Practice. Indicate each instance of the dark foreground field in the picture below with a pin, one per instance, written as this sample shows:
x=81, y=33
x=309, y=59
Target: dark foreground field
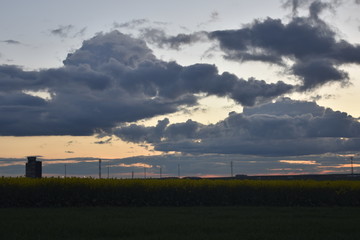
x=180, y=223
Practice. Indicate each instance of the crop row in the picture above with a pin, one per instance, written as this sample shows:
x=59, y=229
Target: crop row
x=56, y=192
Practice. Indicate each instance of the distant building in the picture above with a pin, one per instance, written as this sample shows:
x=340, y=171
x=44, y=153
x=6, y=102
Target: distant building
x=33, y=168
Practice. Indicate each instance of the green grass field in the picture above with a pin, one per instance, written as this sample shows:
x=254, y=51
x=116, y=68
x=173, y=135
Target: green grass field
x=180, y=223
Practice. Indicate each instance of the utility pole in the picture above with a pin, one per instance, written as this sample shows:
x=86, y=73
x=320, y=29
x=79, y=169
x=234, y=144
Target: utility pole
x=65, y=170
x=99, y=168
x=178, y=170
x=108, y=171
x=160, y=172
x=144, y=172
x=132, y=174
x=231, y=167
x=352, y=165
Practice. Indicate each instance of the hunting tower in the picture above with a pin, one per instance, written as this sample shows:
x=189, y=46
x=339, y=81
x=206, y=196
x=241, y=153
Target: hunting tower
x=33, y=168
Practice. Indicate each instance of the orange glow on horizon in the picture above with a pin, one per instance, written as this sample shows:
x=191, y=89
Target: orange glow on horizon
x=346, y=165
x=62, y=147
x=304, y=162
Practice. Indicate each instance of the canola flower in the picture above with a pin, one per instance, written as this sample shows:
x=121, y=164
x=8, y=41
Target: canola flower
x=70, y=192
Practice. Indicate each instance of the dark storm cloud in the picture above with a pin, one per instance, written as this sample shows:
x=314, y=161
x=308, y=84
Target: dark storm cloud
x=13, y=78
x=306, y=47
x=139, y=134
x=317, y=72
x=113, y=79
x=284, y=128
x=309, y=42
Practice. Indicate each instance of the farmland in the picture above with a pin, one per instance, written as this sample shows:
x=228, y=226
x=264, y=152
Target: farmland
x=55, y=208
x=77, y=192
x=174, y=223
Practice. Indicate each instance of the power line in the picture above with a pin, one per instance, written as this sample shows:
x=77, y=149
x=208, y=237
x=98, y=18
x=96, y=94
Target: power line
x=99, y=168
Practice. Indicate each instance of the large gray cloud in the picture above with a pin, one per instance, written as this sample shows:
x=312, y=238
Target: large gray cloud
x=315, y=49
x=284, y=128
x=113, y=78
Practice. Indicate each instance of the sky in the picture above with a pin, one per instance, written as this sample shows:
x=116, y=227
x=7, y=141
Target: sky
x=183, y=87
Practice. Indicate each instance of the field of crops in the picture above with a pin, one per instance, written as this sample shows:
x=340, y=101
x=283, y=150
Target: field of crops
x=179, y=223
x=56, y=192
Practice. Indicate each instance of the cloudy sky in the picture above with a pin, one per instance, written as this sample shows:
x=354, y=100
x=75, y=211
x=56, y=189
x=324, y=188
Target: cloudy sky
x=271, y=86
